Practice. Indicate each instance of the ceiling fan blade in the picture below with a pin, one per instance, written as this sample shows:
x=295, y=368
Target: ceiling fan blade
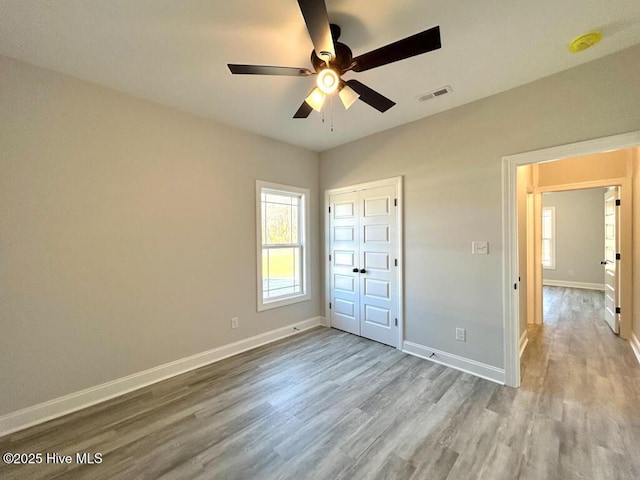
x=304, y=111
x=269, y=70
x=417, y=44
x=371, y=97
x=317, y=20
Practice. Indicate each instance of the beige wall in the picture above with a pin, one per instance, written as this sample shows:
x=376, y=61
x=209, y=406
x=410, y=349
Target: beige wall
x=585, y=168
x=451, y=163
x=579, y=235
x=127, y=234
x=636, y=242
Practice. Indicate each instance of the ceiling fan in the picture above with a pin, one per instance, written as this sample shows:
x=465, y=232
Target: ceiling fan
x=331, y=59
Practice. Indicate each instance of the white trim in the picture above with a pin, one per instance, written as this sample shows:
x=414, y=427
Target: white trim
x=509, y=230
x=524, y=341
x=607, y=182
x=635, y=345
x=366, y=185
x=570, y=284
x=482, y=370
x=58, y=407
x=510, y=300
x=393, y=181
x=531, y=273
x=587, y=147
x=304, y=240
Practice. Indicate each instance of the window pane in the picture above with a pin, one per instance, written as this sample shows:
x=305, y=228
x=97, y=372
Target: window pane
x=278, y=223
x=294, y=225
x=263, y=217
x=280, y=199
x=546, y=224
x=546, y=252
x=281, y=272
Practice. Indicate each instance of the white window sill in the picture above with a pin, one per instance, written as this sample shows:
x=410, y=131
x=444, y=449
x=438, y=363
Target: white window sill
x=277, y=303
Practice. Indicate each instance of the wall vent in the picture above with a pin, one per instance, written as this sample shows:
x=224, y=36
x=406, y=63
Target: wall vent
x=435, y=93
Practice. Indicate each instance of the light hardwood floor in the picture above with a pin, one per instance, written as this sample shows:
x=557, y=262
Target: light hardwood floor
x=329, y=405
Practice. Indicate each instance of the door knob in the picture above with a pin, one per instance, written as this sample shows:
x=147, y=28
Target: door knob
x=604, y=262
x=363, y=271
x=355, y=270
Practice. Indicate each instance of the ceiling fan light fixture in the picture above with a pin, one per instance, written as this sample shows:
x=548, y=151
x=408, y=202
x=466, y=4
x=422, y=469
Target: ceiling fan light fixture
x=328, y=81
x=316, y=99
x=348, y=96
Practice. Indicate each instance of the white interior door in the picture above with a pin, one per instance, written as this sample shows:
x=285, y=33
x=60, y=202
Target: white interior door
x=378, y=297
x=363, y=249
x=345, y=256
x=611, y=274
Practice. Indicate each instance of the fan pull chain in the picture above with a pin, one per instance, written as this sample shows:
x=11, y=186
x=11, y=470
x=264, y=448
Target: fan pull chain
x=322, y=116
x=332, y=113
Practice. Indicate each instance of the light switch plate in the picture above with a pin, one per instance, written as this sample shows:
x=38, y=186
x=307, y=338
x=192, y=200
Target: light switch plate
x=480, y=248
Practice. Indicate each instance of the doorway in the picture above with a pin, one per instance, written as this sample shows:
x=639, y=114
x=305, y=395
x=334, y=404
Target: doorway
x=573, y=240
x=512, y=271
x=364, y=262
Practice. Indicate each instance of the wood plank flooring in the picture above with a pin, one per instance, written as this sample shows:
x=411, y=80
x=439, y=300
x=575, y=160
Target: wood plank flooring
x=329, y=405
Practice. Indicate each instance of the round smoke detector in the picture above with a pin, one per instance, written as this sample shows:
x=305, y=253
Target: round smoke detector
x=585, y=41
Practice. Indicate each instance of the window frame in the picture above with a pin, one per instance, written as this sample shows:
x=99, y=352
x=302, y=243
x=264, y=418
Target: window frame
x=303, y=240
x=552, y=263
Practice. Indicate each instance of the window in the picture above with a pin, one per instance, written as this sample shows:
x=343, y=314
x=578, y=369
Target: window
x=549, y=237
x=282, y=232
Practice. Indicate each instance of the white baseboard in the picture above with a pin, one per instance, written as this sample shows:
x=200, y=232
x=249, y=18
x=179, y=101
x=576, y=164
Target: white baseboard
x=635, y=345
x=524, y=341
x=58, y=407
x=570, y=284
x=482, y=370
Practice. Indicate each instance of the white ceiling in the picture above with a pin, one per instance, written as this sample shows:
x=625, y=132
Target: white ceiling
x=175, y=52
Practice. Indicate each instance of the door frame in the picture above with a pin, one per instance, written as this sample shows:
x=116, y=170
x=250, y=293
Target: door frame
x=531, y=242
x=397, y=182
x=510, y=163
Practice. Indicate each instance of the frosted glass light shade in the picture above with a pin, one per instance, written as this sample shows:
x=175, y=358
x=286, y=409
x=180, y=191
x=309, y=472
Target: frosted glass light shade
x=316, y=99
x=348, y=96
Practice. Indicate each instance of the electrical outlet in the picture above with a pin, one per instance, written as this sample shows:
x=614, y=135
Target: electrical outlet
x=235, y=322
x=461, y=335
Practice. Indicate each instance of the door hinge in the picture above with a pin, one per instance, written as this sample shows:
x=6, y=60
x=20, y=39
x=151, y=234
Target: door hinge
x=617, y=256
x=396, y=322
x=329, y=305
x=617, y=202
x=396, y=262
x=617, y=309
x=395, y=202
x=329, y=257
x=515, y=286
x=329, y=209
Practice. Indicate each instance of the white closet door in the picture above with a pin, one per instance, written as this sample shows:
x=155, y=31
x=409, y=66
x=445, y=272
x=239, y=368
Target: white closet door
x=611, y=274
x=345, y=246
x=363, y=272
x=378, y=289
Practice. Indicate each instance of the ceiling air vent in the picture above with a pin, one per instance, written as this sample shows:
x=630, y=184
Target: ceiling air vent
x=436, y=93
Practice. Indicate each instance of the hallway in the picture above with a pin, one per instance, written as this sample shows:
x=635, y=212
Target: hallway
x=587, y=384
